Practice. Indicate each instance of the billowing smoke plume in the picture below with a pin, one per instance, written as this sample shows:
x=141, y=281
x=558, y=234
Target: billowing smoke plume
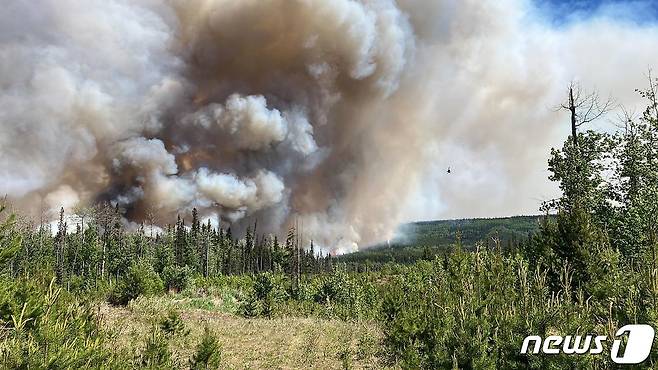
x=336, y=115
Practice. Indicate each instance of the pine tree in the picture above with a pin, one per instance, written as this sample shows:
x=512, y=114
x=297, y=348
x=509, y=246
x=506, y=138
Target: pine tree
x=180, y=242
x=291, y=252
x=10, y=242
x=89, y=253
x=157, y=354
x=207, y=233
x=60, y=245
x=208, y=353
x=195, y=250
x=228, y=246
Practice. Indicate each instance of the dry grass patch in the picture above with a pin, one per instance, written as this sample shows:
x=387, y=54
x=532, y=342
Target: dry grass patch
x=278, y=343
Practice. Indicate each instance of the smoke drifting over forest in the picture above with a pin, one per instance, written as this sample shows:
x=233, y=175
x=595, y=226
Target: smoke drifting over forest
x=339, y=115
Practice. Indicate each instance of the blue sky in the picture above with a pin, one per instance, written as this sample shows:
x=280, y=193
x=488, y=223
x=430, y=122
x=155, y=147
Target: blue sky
x=562, y=12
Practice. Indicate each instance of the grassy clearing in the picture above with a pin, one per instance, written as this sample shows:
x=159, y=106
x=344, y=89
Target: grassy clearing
x=259, y=343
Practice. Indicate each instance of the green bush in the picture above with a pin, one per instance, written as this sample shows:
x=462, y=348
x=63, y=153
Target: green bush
x=347, y=297
x=333, y=288
x=251, y=306
x=208, y=353
x=156, y=354
x=141, y=280
x=263, y=285
x=172, y=324
x=176, y=277
x=270, y=289
x=46, y=328
x=473, y=310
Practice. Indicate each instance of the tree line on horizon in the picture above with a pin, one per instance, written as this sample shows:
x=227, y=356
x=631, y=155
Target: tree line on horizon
x=101, y=248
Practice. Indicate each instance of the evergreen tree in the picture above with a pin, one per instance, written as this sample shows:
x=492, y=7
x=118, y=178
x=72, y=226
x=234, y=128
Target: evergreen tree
x=208, y=353
x=60, y=245
x=10, y=242
x=180, y=242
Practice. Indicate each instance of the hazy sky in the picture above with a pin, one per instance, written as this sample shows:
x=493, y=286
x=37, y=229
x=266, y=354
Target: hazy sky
x=534, y=48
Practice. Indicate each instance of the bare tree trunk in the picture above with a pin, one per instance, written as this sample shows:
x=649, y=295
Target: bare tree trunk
x=654, y=271
x=572, y=109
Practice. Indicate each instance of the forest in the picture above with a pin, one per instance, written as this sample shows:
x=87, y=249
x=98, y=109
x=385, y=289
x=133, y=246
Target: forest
x=427, y=239
x=194, y=296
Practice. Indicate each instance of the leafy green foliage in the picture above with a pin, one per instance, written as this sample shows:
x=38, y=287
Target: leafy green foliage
x=176, y=278
x=251, y=306
x=474, y=309
x=140, y=280
x=10, y=241
x=44, y=327
x=208, y=353
x=173, y=324
x=156, y=354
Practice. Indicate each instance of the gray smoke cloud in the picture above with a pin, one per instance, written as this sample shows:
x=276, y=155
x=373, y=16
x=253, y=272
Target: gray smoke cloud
x=340, y=116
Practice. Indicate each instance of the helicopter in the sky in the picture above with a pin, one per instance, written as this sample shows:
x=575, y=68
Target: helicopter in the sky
x=449, y=169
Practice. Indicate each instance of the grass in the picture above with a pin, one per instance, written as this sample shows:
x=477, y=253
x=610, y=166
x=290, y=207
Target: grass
x=259, y=343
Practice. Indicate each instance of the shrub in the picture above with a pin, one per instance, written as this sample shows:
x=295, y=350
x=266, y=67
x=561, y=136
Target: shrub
x=172, y=324
x=347, y=297
x=141, y=279
x=24, y=300
x=333, y=288
x=263, y=285
x=208, y=353
x=474, y=309
x=176, y=277
x=251, y=306
x=156, y=352
x=270, y=290
x=46, y=328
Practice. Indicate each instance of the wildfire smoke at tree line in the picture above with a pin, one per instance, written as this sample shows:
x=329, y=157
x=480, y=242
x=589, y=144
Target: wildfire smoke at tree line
x=339, y=115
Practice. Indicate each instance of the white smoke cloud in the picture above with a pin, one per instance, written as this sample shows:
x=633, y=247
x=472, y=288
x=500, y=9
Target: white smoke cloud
x=63, y=197
x=149, y=156
x=341, y=115
x=265, y=190
x=245, y=119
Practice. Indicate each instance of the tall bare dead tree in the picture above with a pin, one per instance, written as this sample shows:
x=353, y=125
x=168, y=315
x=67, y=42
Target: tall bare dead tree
x=584, y=108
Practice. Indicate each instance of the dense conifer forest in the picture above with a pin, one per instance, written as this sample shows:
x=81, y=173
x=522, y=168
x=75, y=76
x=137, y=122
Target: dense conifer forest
x=67, y=296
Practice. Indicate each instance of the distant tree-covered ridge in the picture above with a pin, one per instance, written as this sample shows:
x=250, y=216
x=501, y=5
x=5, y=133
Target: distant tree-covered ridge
x=471, y=231
x=425, y=239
